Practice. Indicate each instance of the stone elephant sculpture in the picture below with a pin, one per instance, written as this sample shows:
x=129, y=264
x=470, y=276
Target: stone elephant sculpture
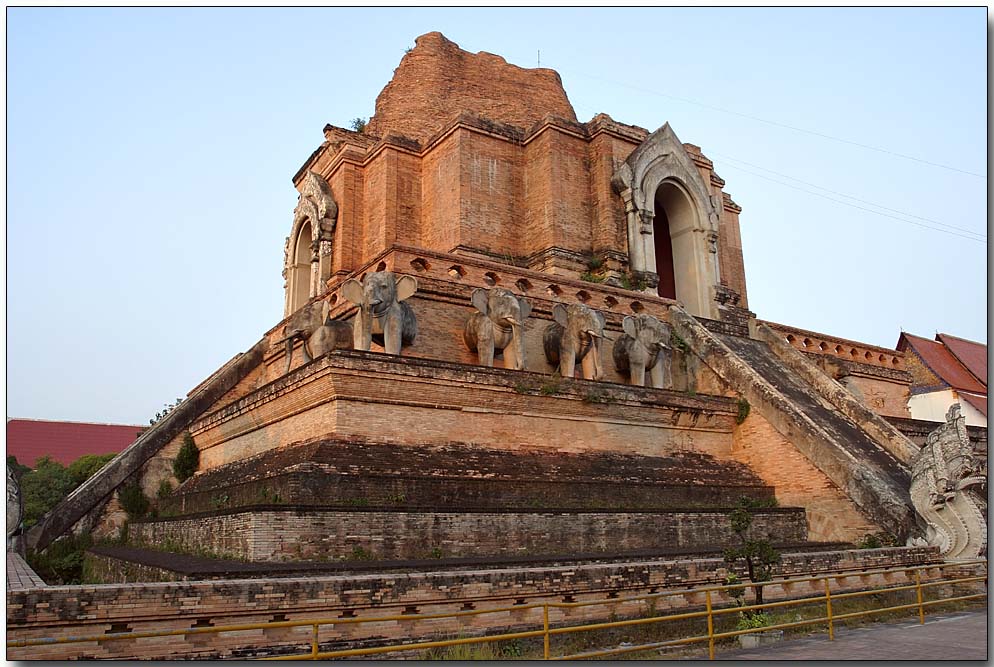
x=645, y=346
x=575, y=335
x=319, y=334
x=499, y=325
x=383, y=316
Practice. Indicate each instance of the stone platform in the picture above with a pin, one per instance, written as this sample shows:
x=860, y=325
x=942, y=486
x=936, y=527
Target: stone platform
x=400, y=400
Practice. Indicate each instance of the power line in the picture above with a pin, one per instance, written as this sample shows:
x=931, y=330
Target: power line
x=982, y=237
x=842, y=194
x=779, y=124
x=862, y=208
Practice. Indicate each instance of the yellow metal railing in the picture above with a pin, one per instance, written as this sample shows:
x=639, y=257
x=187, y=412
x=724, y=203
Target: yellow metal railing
x=710, y=612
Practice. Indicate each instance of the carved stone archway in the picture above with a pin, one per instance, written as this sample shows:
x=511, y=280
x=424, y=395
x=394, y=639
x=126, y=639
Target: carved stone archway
x=661, y=165
x=307, y=254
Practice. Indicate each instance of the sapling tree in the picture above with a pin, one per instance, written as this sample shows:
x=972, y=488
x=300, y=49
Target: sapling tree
x=759, y=555
x=187, y=459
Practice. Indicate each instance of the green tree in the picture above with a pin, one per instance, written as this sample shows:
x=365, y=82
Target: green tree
x=43, y=488
x=759, y=555
x=17, y=468
x=87, y=465
x=187, y=459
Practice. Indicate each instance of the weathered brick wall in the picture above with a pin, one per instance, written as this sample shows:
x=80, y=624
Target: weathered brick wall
x=610, y=227
x=97, y=568
x=884, y=396
x=831, y=514
x=437, y=80
x=490, y=185
x=85, y=610
x=304, y=534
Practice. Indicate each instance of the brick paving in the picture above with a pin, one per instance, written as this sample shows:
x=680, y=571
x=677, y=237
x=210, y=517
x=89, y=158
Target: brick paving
x=20, y=575
x=955, y=636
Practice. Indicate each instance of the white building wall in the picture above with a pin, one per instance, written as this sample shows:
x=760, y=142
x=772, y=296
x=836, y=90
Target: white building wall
x=934, y=405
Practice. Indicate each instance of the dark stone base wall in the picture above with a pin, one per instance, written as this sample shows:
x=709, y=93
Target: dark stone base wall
x=271, y=533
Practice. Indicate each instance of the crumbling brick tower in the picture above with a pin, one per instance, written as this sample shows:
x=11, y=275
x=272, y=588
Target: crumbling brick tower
x=472, y=157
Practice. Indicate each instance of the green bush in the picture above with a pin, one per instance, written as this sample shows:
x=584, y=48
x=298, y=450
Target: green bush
x=87, y=465
x=187, y=459
x=165, y=488
x=134, y=501
x=758, y=620
x=62, y=562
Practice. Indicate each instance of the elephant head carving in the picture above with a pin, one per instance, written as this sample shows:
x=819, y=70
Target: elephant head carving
x=575, y=335
x=319, y=334
x=383, y=314
x=645, y=346
x=499, y=325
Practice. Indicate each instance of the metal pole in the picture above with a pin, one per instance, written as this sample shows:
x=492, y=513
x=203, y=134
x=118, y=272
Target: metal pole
x=828, y=607
x=545, y=627
x=707, y=599
x=314, y=642
x=918, y=590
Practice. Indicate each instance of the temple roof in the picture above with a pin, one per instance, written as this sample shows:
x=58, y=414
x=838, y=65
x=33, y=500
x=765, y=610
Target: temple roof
x=943, y=360
x=29, y=439
x=971, y=354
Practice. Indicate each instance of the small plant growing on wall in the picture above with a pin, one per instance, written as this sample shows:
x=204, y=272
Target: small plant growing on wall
x=134, y=501
x=759, y=555
x=743, y=412
x=187, y=459
x=358, y=124
x=165, y=488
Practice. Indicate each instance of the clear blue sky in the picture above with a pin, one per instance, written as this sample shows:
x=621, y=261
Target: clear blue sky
x=150, y=152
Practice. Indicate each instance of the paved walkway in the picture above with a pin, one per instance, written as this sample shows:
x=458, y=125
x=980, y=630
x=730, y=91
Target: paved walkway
x=20, y=575
x=955, y=636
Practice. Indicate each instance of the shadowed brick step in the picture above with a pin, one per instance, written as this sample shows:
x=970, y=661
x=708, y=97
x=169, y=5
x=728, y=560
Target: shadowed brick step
x=354, y=473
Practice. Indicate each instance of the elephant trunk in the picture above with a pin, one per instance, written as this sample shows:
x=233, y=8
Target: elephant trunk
x=514, y=353
x=288, y=353
x=592, y=360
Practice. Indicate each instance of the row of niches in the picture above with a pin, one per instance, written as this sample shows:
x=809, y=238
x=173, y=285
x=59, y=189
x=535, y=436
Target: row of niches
x=862, y=355
x=526, y=287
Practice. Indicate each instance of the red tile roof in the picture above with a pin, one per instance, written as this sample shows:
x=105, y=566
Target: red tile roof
x=943, y=363
x=979, y=402
x=971, y=354
x=30, y=439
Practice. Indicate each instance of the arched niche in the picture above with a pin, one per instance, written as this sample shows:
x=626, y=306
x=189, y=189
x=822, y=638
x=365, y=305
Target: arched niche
x=299, y=279
x=660, y=180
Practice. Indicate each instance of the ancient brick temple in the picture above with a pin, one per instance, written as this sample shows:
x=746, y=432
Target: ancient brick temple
x=475, y=176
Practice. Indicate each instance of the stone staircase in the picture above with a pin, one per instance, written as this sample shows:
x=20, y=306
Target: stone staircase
x=861, y=453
